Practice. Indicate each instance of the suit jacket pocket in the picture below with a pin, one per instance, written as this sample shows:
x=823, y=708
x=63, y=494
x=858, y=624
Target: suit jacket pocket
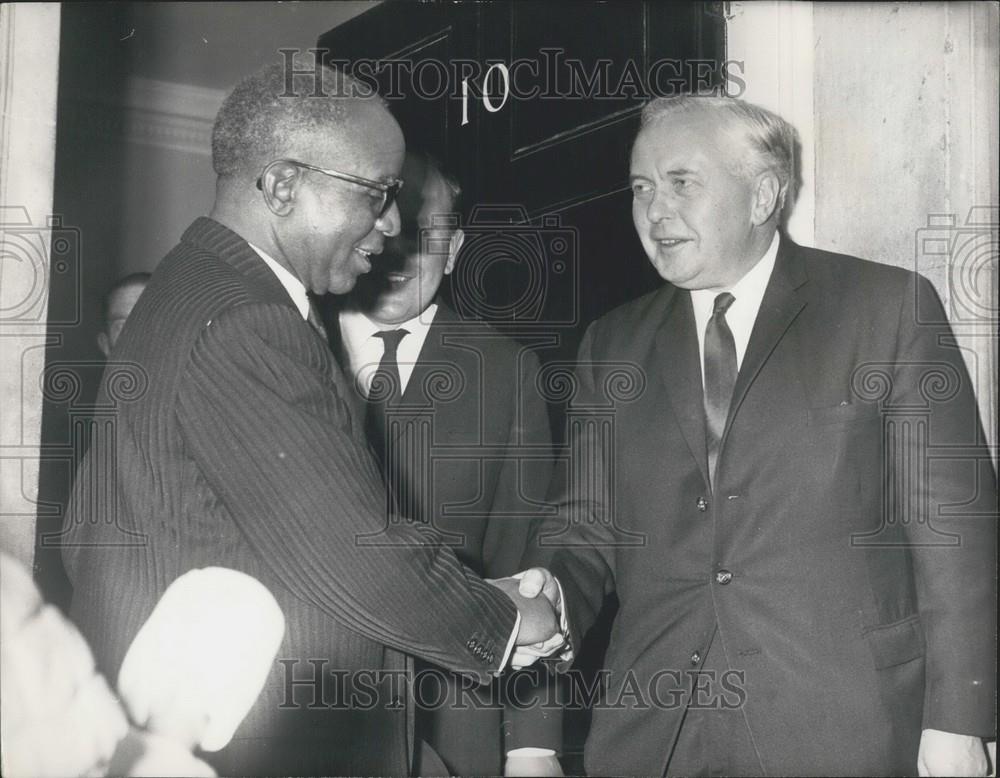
x=896, y=643
x=842, y=414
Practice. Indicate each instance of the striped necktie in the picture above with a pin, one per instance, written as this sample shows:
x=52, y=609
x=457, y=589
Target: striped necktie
x=720, y=377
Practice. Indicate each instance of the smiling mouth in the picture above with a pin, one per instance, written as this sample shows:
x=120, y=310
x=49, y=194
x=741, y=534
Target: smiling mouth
x=669, y=243
x=397, y=278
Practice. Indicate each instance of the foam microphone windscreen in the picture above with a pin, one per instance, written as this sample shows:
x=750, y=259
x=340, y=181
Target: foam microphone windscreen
x=199, y=662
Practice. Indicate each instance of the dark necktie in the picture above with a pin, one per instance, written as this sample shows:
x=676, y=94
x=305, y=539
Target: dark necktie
x=720, y=376
x=315, y=321
x=386, y=388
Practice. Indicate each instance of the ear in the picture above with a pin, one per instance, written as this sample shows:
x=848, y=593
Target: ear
x=279, y=182
x=767, y=198
x=454, y=245
x=104, y=344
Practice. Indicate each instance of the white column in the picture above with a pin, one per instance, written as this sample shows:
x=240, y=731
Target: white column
x=906, y=155
x=774, y=42
x=29, y=61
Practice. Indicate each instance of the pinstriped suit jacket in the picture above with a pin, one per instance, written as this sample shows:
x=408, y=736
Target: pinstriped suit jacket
x=237, y=448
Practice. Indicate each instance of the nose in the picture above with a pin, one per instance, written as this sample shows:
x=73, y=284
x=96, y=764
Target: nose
x=660, y=206
x=389, y=223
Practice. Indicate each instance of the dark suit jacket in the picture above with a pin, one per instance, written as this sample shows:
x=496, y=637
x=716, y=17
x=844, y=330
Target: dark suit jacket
x=848, y=573
x=237, y=447
x=471, y=455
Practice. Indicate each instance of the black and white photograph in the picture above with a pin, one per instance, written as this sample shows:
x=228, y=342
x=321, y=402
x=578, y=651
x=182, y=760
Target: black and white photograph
x=499, y=388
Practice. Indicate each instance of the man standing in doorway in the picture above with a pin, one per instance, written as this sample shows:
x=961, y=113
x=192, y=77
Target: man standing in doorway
x=814, y=590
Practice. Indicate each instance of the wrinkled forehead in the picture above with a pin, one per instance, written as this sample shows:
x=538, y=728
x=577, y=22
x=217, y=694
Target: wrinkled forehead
x=679, y=141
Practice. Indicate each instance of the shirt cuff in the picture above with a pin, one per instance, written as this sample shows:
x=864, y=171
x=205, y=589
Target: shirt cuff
x=531, y=751
x=563, y=619
x=510, y=645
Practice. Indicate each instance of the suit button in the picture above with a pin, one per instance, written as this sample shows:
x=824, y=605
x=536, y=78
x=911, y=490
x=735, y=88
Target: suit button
x=702, y=504
x=723, y=577
x=472, y=644
x=491, y=658
x=695, y=657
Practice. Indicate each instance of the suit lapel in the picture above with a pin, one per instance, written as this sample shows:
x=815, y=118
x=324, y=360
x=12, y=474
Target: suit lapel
x=680, y=368
x=431, y=352
x=236, y=252
x=430, y=358
x=782, y=303
x=335, y=340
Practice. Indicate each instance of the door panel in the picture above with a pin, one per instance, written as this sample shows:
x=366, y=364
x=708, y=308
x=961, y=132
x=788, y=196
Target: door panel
x=560, y=153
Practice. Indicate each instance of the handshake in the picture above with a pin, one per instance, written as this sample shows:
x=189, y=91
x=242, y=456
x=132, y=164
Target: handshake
x=542, y=629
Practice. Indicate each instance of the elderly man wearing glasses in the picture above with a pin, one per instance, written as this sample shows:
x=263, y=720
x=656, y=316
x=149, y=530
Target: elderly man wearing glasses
x=240, y=448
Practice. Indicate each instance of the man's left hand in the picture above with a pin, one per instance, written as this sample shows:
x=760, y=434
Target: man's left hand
x=945, y=753
x=532, y=762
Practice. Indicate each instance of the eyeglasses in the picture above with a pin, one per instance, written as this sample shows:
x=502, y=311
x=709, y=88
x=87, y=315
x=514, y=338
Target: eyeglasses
x=387, y=189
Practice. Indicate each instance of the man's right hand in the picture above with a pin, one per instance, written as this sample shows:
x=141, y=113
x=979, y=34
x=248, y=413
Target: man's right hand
x=539, y=621
x=538, y=580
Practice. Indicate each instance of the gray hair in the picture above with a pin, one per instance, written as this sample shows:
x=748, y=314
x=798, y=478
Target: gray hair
x=271, y=108
x=772, y=142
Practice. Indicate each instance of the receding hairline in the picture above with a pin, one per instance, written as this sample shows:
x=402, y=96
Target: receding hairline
x=770, y=141
x=720, y=116
x=718, y=132
x=351, y=134
x=270, y=114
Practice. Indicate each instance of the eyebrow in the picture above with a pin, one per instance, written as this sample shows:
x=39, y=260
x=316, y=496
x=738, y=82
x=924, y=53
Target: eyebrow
x=683, y=171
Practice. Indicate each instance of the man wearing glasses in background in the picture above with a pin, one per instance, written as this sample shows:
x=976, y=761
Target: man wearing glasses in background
x=401, y=341
x=243, y=452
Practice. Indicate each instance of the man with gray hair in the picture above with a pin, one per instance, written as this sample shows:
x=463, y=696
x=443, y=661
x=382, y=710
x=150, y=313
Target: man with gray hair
x=241, y=450
x=806, y=586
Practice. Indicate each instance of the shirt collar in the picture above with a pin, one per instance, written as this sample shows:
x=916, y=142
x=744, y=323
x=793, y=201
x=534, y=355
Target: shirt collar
x=295, y=288
x=749, y=289
x=754, y=283
x=356, y=327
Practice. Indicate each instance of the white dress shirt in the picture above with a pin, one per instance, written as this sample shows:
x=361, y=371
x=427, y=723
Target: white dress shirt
x=748, y=293
x=295, y=288
x=364, y=351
